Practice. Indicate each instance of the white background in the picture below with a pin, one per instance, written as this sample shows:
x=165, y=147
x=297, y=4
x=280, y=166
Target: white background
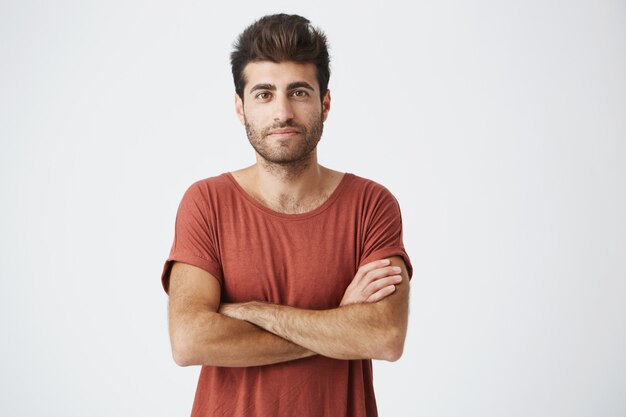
x=499, y=126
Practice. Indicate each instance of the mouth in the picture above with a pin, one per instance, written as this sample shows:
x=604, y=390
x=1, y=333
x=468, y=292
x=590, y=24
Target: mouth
x=284, y=132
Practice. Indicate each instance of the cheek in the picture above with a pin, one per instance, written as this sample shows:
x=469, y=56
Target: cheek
x=314, y=116
x=256, y=115
x=308, y=113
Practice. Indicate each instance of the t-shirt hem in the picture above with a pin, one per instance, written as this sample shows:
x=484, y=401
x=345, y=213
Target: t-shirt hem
x=388, y=252
x=197, y=261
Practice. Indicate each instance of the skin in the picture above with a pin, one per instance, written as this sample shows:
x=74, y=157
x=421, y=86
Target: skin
x=283, y=116
x=201, y=335
x=357, y=331
x=288, y=178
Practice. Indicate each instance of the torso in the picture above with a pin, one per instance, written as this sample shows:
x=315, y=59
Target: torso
x=299, y=260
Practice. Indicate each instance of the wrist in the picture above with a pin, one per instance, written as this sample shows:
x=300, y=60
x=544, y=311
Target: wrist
x=233, y=310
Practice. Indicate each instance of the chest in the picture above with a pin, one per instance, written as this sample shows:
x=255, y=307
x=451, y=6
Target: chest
x=306, y=264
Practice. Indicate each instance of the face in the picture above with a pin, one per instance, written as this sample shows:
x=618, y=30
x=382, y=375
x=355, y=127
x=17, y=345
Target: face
x=282, y=111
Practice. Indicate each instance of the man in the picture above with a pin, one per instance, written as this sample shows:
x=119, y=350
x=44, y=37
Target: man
x=286, y=278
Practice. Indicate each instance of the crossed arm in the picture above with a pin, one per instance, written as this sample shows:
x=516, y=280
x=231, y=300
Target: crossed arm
x=370, y=322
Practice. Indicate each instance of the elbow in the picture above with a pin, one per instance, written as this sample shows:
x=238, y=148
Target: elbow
x=182, y=353
x=191, y=346
x=188, y=350
x=182, y=360
x=392, y=347
x=184, y=345
x=393, y=353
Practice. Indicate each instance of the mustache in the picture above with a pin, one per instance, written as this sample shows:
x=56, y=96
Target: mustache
x=288, y=123
x=282, y=125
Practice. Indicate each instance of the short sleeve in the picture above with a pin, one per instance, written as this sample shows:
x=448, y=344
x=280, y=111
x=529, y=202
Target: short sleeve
x=195, y=240
x=383, y=229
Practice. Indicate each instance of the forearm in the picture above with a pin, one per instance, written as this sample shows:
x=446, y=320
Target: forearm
x=209, y=338
x=357, y=331
x=202, y=335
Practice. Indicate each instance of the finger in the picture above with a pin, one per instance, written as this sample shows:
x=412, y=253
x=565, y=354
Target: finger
x=380, y=273
x=381, y=283
x=379, y=295
x=366, y=292
x=365, y=269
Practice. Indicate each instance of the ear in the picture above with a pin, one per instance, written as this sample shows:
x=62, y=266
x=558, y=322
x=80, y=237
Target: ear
x=239, y=109
x=326, y=105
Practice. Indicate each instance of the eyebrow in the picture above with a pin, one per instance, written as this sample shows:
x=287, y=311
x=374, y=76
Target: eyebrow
x=270, y=87
x=300, y=84
x=291, y=86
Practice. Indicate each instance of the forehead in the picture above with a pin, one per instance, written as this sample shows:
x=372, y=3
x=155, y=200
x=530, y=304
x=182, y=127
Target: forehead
x=279, y=74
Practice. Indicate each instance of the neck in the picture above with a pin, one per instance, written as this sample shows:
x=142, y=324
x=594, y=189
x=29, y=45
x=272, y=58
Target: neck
x=290, y=182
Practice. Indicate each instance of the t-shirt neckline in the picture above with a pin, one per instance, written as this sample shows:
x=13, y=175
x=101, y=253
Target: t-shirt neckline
x=291, y=216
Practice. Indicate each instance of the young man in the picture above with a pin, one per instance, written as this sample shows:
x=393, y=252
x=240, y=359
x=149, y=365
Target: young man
x=286, y=278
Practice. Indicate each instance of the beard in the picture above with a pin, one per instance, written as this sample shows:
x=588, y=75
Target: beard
x=287, y=153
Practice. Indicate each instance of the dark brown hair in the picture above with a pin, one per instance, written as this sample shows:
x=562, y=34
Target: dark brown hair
x=279, y=38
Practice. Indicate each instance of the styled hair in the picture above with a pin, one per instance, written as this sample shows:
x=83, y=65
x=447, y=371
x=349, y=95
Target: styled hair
x=279, y=38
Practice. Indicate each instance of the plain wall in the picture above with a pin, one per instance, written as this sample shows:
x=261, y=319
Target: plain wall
x=499, y=126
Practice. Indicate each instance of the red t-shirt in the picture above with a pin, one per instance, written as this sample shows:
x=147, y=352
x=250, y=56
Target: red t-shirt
x=301, y=260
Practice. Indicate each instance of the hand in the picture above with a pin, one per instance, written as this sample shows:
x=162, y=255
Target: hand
x=372, y=282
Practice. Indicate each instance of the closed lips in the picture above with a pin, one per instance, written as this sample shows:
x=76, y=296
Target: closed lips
x=283, y=131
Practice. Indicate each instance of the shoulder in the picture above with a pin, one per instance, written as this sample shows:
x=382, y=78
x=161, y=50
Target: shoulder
x=368, y=189
x=211, y=184
x=204, y=195
x=205, y=188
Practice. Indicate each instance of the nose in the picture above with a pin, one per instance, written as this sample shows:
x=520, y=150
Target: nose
x=283, y=109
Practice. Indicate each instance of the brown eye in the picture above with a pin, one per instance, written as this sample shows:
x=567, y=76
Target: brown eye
x=300, y=93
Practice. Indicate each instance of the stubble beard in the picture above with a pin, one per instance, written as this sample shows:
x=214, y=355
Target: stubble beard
x=286, y=160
